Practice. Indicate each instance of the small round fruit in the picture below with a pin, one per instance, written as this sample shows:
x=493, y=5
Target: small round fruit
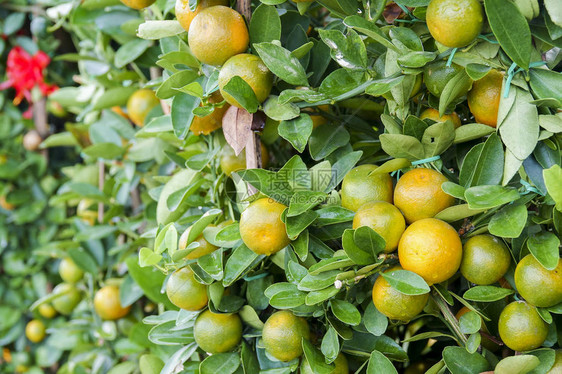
x=31, y=140
x=107, y=303
x=418, y=194
x=340, y=362
x=230, y=162
x=138, y=4
x=185, y=15
x=437, y=74
x=69, y=297
x=140, y=104
x=432, y=249
x=538, y=286
x=217, y=333
x=433, y=114
x=5, y=204
x=185, y=292
x=69, y=271
x=485, y=259
x=209, y=123
x=521, y=328
x=282, y=335
x=216, y=34
x=360, y=185
x=557, y=366
x=484, y=98
x=47, y=311
x=394, y=304
x=385, y=219
x=454, y=23
x=35, y=331
x=204, y=246
x=252, y=70
x=261, y=227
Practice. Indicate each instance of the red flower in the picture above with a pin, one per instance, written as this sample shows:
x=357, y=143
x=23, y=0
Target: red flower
x=25, y=72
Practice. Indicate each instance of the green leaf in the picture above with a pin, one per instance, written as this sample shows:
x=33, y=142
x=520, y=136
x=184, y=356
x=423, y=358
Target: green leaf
x=226, y=363
x=241, y=261
x=182, y=113
x=511, y=30
x=281, y=63
x=553, y=181
x=315, y=359
x=280, y=112
x=297, y=224
x=402, y=146
x=457, y=86
x=354, y=252
x=130, y=51
x=348, y=51
x=509, y=222
x=265, y=25
x=457, y=212
x=406, y=282
x=330, y=346
x=296, y=131
x=316, y=297
x=486, y=197
x=369, y=240
x=170, y=86
x=150, y=364
x=362, y=25
x=459, y=361
x=375, y=322
x=483, y=164
x=325, y=140
x=340, y=82
x=150, y=280
x=472, y=131
x=470, y=323
x=382, y=86
x=453, y=189
x=486, y=294
x=148, y=258
x=437, y=138
x=379, y=363
x=477, y=71
x=416, y=59
x=302, y=201
x=106, y=151
x=545, y=84
x=346, y=312
x=519, y=129
x=521, y=364
x=544, y=247
x=116, y=96
x=287, y=299
x=153, y=30
x=242, y=93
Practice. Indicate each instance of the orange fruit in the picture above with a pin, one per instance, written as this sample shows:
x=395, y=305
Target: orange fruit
x=216, y=34
x=69, y=297
x=252, y=70
x=432, y=249
x=107, y=303
x=209, y=123
x=120, y=111
x=230, y=162
x=261, y=227
x=454, y=23
x=484, y=98
x=69, y=271
x=521, y=328
x=35, y=331
x=361, y=186
x=185, y=15
x=394, y=304
x=433, y=114
x=5, y=204
x=185, y=292
x=385, y=219
x=340, y=362
x=31, y=140
x=537, y=285
x=140, y=104
x=217, y=333
x=485, y=259
x=317, y=118
x=437, y=74
x=282, y=335
x=138, y=4
x=204, y=246
x=418, y=194
x=47, y=311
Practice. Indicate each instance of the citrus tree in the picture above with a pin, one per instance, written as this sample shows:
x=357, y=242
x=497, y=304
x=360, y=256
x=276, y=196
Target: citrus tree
x=315, y=187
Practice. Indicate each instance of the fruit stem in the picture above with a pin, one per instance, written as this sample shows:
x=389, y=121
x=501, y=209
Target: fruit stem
x=449, y=316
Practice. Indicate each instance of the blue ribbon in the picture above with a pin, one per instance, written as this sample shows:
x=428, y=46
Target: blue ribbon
x=451, y=56
x=511, y=72
x=418, y=162
x=258, y=276
x=528, y=188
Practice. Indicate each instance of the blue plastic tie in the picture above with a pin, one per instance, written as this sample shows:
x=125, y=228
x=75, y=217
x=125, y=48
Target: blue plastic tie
x=485, y=37
x=254, y=277
x=451, y=56
x=511, y=72
x=426, y=160
x=529, y=188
